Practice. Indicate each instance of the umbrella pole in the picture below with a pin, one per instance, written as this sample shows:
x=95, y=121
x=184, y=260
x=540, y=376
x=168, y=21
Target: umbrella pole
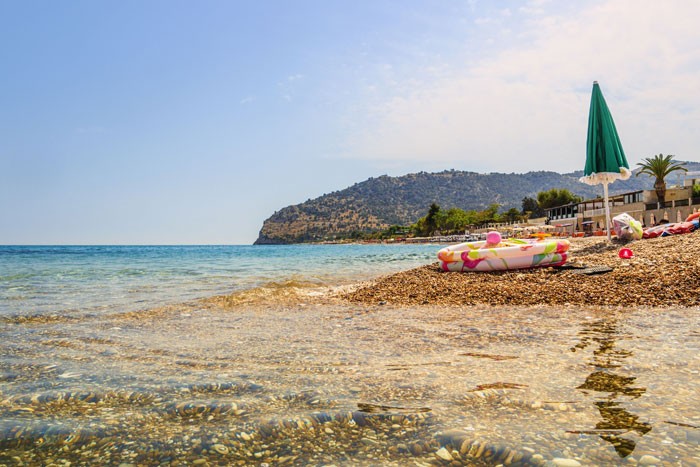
x=607, y=211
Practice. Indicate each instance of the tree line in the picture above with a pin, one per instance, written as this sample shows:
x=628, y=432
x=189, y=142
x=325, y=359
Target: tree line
x=455, y=220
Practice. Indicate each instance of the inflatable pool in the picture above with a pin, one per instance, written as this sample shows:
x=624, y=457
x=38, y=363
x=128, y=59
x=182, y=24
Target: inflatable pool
x=504, y=255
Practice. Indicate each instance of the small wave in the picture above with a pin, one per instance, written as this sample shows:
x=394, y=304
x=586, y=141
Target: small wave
x=18, y=298
x=285, y=291
x=35, y=318
x=18, y=277
x=293, y=283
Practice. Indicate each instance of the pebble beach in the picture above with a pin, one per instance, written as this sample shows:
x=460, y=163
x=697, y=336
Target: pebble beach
x=663, y=271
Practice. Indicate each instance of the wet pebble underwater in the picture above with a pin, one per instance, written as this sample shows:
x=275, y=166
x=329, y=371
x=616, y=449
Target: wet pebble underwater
x=315, y=382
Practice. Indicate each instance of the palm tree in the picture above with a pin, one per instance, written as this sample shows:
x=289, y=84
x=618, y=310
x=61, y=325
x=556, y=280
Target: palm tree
x=660, y=166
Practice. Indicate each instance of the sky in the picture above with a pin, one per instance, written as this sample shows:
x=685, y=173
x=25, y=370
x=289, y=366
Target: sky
x=180, y=122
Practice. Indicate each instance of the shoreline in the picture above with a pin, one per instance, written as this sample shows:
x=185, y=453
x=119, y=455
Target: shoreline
x=664, y=272
x=289, y=375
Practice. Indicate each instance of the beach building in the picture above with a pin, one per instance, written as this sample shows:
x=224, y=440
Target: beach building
x=588, y=216
x=564, y=218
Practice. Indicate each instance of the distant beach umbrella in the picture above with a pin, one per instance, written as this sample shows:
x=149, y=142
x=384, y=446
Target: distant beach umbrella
x=605, y=158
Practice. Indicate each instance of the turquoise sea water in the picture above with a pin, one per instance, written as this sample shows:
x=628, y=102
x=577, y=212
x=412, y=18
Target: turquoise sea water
x=62, y=279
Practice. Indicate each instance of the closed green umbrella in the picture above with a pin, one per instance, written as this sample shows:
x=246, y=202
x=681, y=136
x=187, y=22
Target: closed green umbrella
x=605, y=158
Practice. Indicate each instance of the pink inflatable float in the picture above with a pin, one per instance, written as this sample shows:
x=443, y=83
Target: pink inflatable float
x=503, y=255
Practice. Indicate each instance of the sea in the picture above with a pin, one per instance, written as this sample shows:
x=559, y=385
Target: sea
x=40, y=280
x=247, y=355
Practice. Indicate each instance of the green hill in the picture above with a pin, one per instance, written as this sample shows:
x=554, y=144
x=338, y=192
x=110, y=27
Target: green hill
x=378, y=203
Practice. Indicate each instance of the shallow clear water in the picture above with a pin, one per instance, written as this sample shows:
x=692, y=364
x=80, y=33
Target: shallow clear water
x=291, y=376
x=59, y=279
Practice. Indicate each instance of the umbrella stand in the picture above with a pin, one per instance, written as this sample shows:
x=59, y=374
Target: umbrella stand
x=607, y=211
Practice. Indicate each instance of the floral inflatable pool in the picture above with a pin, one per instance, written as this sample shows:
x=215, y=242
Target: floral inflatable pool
x=504, y=255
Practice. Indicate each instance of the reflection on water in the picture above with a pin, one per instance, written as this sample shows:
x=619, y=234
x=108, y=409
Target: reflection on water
x=608, y=357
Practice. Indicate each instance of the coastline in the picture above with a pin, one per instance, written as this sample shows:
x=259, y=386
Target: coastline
x=664, y=272
x=296, y=374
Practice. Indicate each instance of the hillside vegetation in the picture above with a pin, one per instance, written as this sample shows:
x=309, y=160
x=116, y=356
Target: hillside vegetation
x=381, y=202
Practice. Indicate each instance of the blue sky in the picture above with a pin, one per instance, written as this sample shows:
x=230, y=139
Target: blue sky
x=178, y=122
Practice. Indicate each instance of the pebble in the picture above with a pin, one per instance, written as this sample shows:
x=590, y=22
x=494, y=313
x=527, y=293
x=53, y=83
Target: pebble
x=562, y=462
x=415, y=449
x=444, y=454
x=648, y=460
x=220, y=448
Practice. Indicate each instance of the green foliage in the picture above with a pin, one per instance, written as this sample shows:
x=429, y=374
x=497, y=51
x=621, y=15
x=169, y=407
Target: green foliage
x=531, y=208
x=511, y=215
x=696, y=191
x=556, y=197
x=432, y=219
x=456, y=220
x=660, y=166
x=490, y=214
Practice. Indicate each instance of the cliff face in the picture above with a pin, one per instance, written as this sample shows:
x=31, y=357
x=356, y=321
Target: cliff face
x=318, y=219
x=379, y=203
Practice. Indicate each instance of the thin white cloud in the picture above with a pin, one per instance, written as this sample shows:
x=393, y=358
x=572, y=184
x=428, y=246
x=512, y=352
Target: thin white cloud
x=526, y=108
x=247, y=100
x=289, y=85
